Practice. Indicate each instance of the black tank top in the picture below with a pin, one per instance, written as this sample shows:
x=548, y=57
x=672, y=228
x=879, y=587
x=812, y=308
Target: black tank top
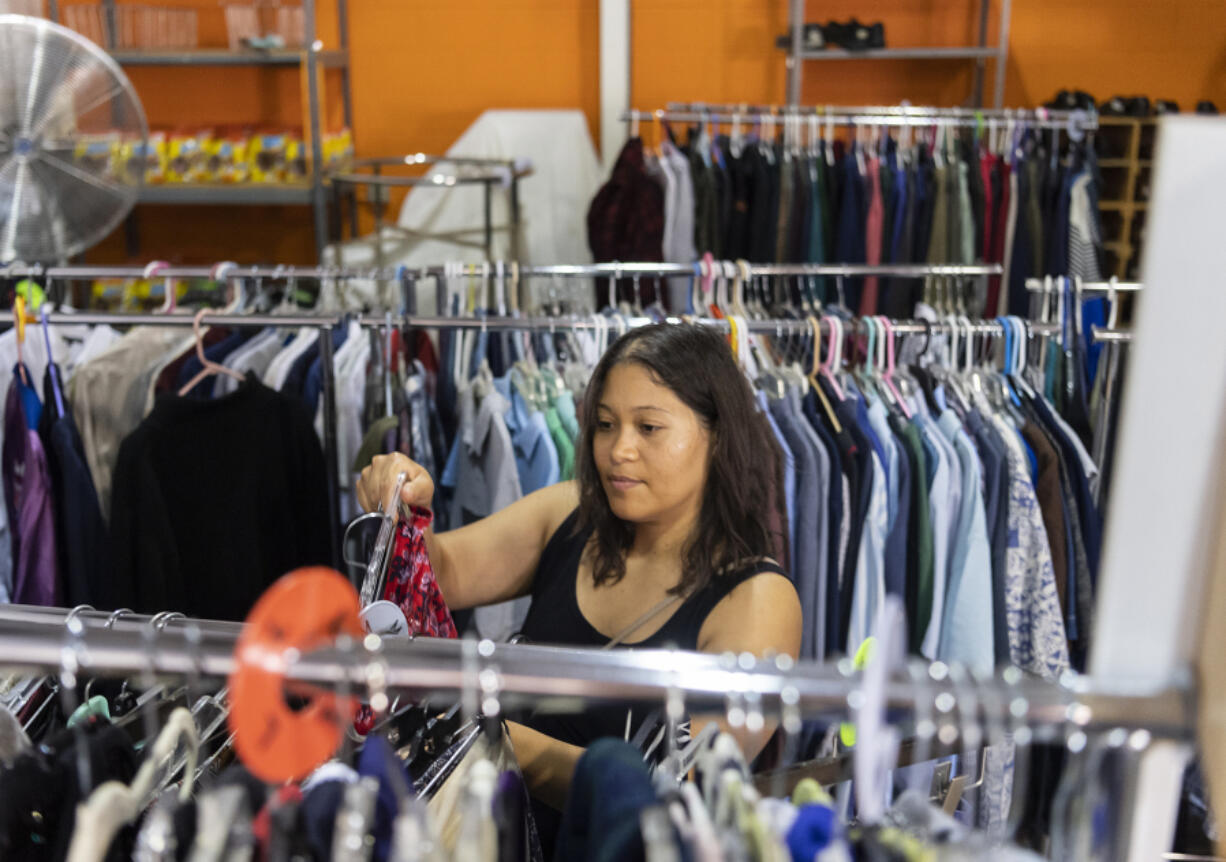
x=555, y=618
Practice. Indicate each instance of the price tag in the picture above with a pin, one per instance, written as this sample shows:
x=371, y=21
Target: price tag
x=278, y=735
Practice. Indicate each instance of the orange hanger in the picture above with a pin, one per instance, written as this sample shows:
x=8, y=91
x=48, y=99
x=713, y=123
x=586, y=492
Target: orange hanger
x=19, y=320
x=813, y=372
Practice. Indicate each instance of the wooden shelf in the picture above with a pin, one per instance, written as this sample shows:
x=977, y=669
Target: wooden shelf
x=1123, y=163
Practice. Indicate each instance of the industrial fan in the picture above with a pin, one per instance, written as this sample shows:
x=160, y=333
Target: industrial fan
x=73, y=142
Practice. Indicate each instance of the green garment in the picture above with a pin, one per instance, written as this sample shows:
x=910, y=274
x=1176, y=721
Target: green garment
x=938, y=242
x=920, y=535
x=565, y=405
x=562, y=442
x=95, y=706
x=372, y=443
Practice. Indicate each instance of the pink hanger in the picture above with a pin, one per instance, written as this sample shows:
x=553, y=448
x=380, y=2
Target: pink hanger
x=210, y=367
x=708, y=276
x=835, y=343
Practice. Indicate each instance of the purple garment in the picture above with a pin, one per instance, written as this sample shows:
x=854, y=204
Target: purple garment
x=27, y=495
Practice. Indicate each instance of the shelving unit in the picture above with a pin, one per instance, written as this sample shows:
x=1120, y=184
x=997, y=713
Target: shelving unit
x=980, y=53
x=1127, y=147
x=310, y=60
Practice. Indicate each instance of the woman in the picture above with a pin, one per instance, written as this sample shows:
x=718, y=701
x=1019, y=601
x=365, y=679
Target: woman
x=665, y=537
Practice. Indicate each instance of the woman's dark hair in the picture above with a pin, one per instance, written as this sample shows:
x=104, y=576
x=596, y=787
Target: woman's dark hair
x=744, y=478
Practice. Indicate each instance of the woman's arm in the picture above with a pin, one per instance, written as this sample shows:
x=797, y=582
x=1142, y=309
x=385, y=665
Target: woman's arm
x=548, y=764
x=761, y=616
x=485, y=562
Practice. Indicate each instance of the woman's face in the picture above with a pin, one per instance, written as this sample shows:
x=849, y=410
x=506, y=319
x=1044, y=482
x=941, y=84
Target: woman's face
x=650, y=448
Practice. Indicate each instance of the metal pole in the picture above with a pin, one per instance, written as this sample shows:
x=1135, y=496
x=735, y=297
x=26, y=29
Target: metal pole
x=489, y=220
x=330, y=456
x=795, y=61
x=319, y=204
x=981, y=63
x=1002, y=54
x=112, y=26
x=514, y=215
x=342, y=25
x=30, y=638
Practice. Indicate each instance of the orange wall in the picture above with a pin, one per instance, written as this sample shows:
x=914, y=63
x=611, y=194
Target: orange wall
x=422, y=70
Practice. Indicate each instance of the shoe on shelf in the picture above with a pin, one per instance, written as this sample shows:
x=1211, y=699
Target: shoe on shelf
x=1204, y=106
x=1072, y=100
x=1166, y=106
x=854, y=36
x=811, y=38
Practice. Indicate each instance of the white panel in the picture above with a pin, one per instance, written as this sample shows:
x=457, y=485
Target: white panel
x=1164, y=499
x=1164, y=507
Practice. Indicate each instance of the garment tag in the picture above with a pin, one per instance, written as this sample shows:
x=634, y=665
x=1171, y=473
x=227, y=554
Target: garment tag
x=304, y=610
x=385, y=619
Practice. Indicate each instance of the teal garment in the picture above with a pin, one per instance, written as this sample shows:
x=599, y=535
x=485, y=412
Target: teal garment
x=562, y=442
x=95, y=706
x=565, y=405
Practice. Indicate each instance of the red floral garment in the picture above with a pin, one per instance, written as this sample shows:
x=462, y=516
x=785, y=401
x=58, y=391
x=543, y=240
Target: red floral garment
x=410, y=580
x=412, y=587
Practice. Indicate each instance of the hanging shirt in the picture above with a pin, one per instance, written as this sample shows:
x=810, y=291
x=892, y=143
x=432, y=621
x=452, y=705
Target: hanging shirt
x=873, y=226
x=943, y=514
x=562, y=443
x=27, y=497
x=869, y=590
x=804, y=539
x=483, y=477
x=110, y=394
x=679, y=244
x=820, y=525
x=255, y=356
x=214, y=500
x=536, y=456
x=789, y=477
x=966, y=629
x=82, y=542
x=1037, y=640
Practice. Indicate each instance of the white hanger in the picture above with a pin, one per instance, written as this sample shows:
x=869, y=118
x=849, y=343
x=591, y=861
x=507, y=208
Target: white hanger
x=114, y=804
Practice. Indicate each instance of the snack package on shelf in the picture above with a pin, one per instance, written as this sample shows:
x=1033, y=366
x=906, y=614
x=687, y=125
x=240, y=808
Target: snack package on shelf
x=100, y=155
x=297, y=160
x=187, y=158
x=338, y=150
x=268, y=158
x=228, y=159
x=147, y=159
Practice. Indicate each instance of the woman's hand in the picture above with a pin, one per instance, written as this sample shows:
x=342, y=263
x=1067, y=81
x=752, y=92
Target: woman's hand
x=378, y=481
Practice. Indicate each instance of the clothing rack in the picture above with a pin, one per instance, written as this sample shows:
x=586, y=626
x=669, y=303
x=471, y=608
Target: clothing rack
x=1093, y=289
x=498, y=270
x=1086, y=288
x=1071, y=121
x=325, y=323
x=489, y=270
x=1031, y=115
x=123, y=643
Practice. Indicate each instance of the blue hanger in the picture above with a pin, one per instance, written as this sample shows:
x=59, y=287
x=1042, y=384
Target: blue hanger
x=55, y=377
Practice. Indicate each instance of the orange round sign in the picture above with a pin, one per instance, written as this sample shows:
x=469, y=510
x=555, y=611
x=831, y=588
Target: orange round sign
x=304, y=610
